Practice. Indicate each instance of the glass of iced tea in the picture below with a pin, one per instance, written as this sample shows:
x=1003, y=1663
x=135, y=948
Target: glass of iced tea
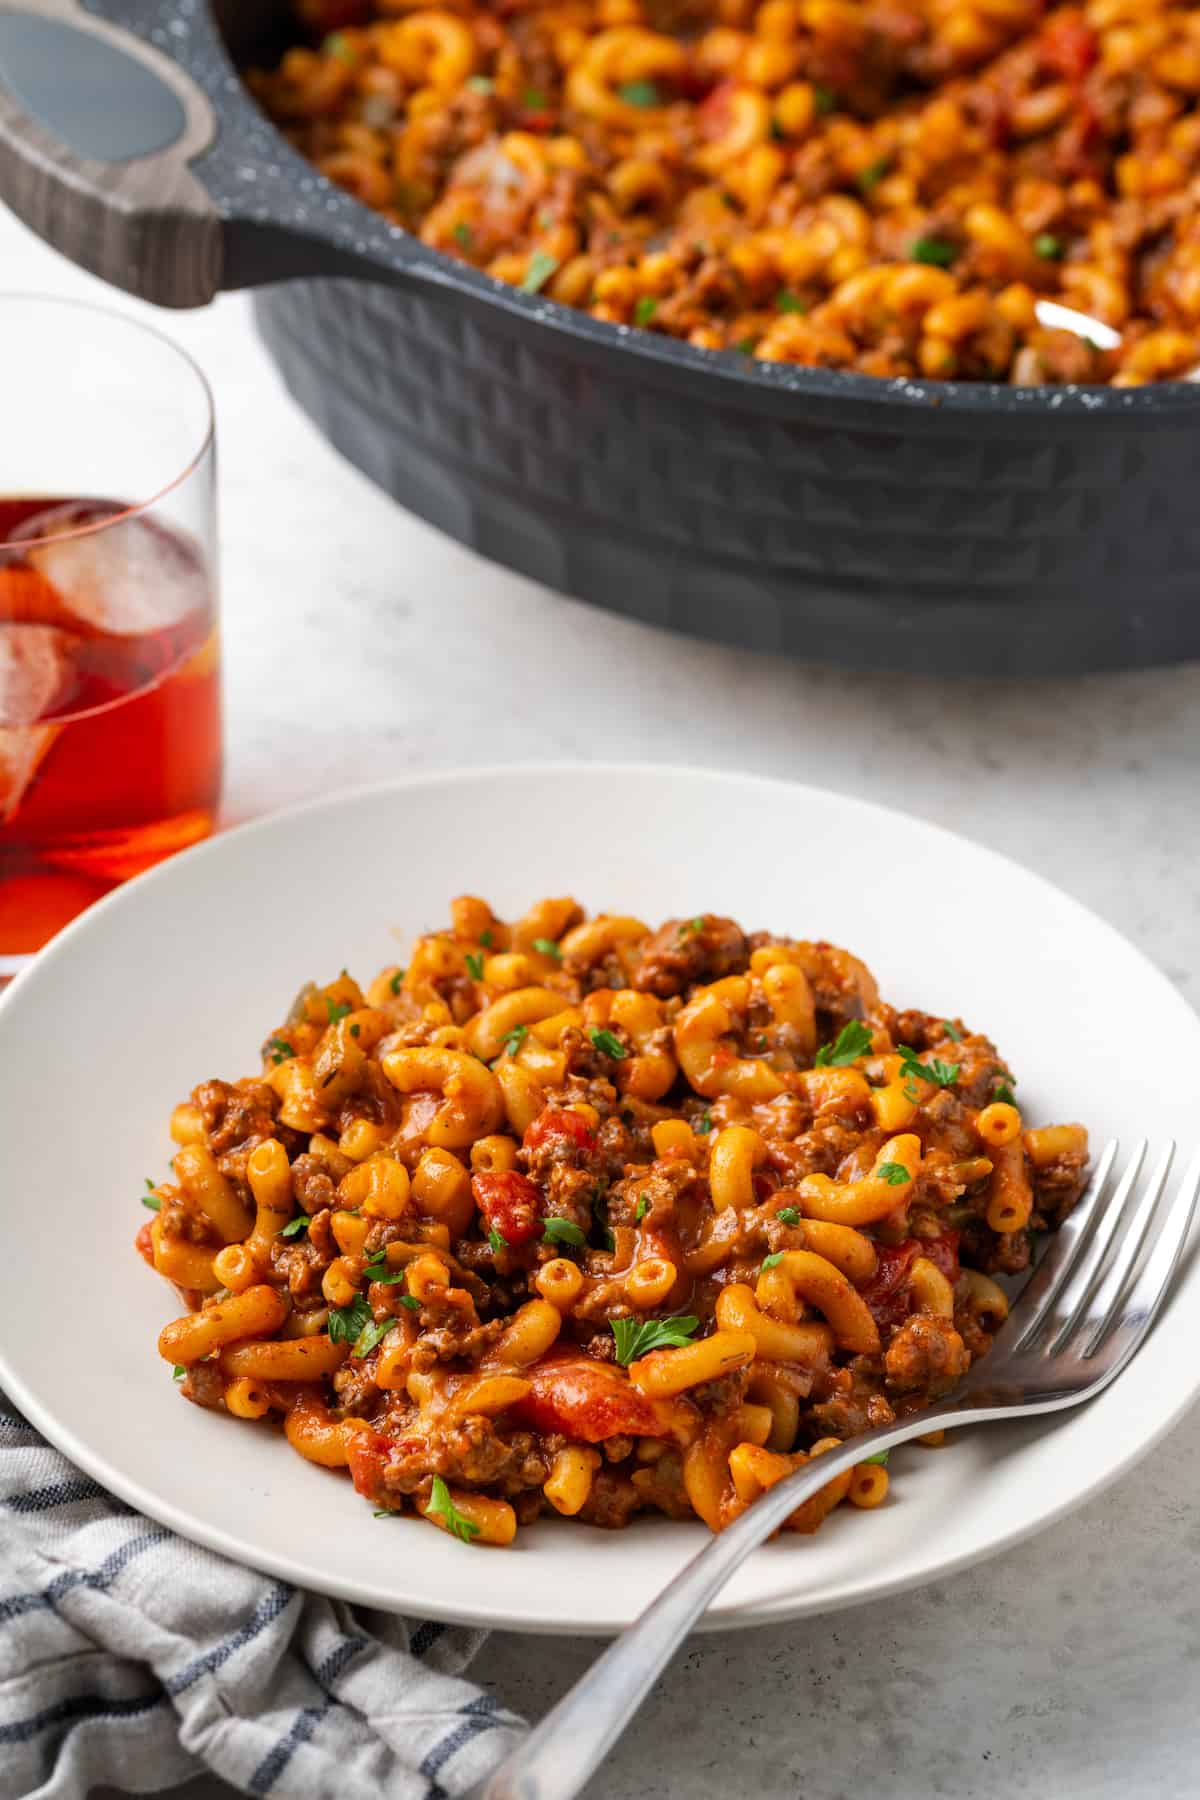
x=110, y=711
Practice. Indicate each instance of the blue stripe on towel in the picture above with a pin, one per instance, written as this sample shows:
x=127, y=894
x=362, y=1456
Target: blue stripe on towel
x=74, y=1711
x=276, y=1761
x=476, y=1716
x=264, y=1614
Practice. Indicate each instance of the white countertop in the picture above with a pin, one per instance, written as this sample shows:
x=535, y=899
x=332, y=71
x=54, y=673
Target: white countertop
x=359, y=642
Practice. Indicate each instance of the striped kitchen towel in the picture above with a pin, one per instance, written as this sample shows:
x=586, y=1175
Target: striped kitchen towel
x=130, y=1657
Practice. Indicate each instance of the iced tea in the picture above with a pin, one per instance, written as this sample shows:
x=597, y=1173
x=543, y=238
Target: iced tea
x=110, y=729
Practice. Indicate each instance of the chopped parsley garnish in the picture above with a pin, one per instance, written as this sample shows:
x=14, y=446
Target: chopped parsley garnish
x=354, y=1030
x=824, y=99
x=378, y=1270
x=637, y=1337
x=150, y=1199
x=541, y=268
x=645, y=309
x=533, y=100
x=397, y=981
x=952, y=1031
x=474, y=965
x=341, y=47
x=464, y=234
x=485, y=938
x=1003, y=1092
x=787, y=302
x=178, y=1372
x=337, y=1009
x=745, y=346
x=773, y=1261
x=941, y=1074
x=295, y=1226
x=563, y=1231
x=705, y=1125
x=443, y=1507
x=512, y=1040
x=880, y=1457
x=411, y=1301
x=547, y=947
x=939, y=252
x=607, y=1240
x=346, y=1322
x=481, y=84
x=696, y=924
x=280, y=1050
x=642, y=1208
x=788, y=1215
x=1047, y=246
x=371, y=1335
x=497, y=1241
x=639, y=93
x=852, y=1041
x=895, y=1174
x=387, y=1512
x=870, y=177
x=608, y=1044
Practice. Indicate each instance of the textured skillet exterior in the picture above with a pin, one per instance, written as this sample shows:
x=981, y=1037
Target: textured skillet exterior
x=949, y=529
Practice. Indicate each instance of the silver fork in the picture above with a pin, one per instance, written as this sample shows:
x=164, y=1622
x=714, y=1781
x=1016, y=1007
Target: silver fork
x=1081, y=1317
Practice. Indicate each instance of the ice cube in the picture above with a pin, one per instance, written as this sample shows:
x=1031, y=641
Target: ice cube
x=21, y=750
x=129, y=578
x=37, y=671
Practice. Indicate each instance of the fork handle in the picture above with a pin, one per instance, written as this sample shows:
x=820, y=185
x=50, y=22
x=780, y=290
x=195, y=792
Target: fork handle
x=559, y=1755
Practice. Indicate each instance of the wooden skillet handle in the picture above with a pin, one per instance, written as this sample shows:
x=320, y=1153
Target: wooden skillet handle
x=97, y=131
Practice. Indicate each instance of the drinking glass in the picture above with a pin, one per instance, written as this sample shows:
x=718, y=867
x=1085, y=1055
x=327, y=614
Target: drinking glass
x=110, y=708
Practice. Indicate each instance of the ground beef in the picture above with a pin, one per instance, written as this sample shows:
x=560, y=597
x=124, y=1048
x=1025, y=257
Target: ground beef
x=311, y=1185
x=685, y=952
x=205, y=1386
x=853, y=1405
x=456, y=1338
x=660, y=1483
x=235, y=1112
x=722, y=1395
x=612, y=1502
x=994, y=1252
x=473, y=1452
x=303, y=1260
x=354, y=1384
x=1057, y=1187
x=926, y=1353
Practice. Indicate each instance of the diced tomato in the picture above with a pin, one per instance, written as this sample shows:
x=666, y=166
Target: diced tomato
x=511, y=1204
x=995, y=108
x=559, y=1123
x=943, y=1253
x=714, y=116
x=586, y=1400
x=886, y=1293
x=1068, y=46
x=368, y=1455
x=144, y=1243
x=323, y=16
x=539, y=119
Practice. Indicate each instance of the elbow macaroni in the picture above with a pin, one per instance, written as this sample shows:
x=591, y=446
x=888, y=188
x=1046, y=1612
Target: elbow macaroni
x=573, y=1214
x=890, y=192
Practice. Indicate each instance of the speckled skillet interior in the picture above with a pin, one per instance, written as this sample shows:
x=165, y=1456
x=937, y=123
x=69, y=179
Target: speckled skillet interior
x=945, y=528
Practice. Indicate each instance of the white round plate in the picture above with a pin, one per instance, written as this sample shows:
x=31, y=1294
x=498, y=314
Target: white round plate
x=178, y=977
